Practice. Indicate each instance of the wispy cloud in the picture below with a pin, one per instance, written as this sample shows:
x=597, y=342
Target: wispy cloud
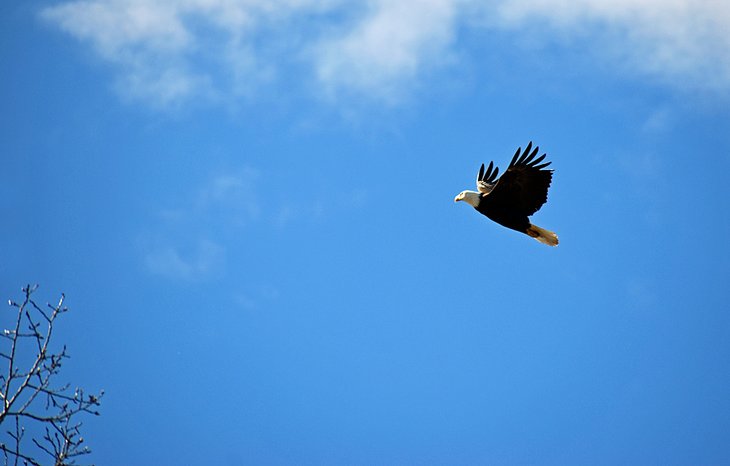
x=188, y=241
x=229, y=198
x=194, y=239
x=256, y=297
x=174, y=50
x=171, y=261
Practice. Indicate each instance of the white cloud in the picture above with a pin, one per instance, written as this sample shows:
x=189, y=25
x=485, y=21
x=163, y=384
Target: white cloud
x=391, y=44
x=171, y=50
x=117, y=27
x=168, y=51
x=147, y=41
x=684, y=42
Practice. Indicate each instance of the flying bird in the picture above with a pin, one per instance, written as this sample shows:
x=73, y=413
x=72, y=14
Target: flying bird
x=517, y=194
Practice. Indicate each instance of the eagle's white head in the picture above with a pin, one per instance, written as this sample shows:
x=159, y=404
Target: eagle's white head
x=470, y=197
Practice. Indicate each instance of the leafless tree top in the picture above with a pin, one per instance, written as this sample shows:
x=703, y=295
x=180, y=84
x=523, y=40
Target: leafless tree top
x=33, y=404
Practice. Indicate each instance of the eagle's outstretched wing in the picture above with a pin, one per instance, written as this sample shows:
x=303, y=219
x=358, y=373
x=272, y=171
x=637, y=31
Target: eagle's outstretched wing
x=524, y=186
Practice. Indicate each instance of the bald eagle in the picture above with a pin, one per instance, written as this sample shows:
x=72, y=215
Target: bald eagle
x=517, y=194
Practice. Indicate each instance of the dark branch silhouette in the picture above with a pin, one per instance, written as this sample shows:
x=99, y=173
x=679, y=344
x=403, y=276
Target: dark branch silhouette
x=30, y=398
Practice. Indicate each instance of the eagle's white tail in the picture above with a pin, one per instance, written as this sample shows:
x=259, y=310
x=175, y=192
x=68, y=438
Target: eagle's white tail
x=542, y=235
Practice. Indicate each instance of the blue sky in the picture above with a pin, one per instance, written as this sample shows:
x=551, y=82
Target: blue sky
x=250, y=209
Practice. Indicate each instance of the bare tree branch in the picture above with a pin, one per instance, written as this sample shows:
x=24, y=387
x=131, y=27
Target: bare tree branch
x=26, y=383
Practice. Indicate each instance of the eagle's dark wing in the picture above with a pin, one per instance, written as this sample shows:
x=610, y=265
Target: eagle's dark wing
x=523, y=188
x=487, y=180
